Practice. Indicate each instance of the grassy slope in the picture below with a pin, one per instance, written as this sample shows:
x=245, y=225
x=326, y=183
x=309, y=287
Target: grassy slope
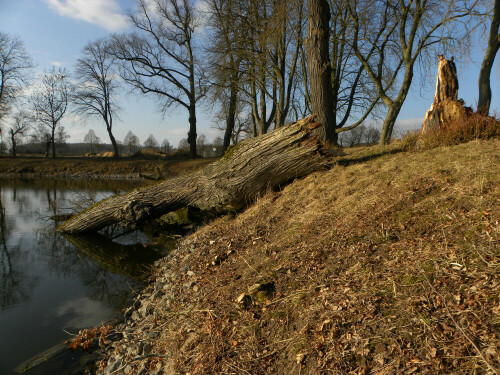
x=387, y=263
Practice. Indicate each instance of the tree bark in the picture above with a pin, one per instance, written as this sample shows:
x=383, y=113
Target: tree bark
x=389, y=122
x=53, y=140
x=116, y=153
x=320, y=69
x=245, y=172
x=192, y=130
x=445, y=107
x=231, y=116
x=483, y=105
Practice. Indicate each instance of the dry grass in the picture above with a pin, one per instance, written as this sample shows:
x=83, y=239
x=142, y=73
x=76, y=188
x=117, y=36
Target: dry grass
x=388, y=263
x=474, y=126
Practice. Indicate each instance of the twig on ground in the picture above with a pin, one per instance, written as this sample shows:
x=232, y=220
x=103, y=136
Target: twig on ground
x=149, y=356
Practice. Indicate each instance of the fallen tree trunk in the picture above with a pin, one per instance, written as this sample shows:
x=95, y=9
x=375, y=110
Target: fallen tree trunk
x=230, y=183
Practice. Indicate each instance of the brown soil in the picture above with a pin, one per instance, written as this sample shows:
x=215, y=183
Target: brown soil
x=388, y=263
x=84, y=167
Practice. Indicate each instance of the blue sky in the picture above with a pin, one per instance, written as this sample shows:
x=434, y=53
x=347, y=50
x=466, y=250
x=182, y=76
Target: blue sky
x=55, y=31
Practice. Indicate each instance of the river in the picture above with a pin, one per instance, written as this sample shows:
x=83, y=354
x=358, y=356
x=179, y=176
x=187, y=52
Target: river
x=53, y=284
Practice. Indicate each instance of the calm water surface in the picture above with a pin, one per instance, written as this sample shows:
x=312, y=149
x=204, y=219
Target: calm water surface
x=51, y=283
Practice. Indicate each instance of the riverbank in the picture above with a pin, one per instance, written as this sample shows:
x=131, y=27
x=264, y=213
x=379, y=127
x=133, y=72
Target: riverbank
x=386, y=263
x=99, y=168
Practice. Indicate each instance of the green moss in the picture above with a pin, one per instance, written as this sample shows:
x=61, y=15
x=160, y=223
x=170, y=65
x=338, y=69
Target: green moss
x=179, y=217
x=231, y=150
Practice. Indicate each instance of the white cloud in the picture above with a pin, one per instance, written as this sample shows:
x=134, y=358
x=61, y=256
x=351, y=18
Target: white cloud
x=57, y=63
x=105, y=13
x=83, y=312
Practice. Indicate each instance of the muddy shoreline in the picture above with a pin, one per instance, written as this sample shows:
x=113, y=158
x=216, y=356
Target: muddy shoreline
x=127, y=168
x=74, y=176
x=137, y=352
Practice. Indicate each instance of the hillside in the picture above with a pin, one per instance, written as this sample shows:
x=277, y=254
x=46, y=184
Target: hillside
x=387, y=263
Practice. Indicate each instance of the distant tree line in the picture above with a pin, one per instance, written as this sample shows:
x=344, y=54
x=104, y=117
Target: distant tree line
x=35, y=143
x=259, y=63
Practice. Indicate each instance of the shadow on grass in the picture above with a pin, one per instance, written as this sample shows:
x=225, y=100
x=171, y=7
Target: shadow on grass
x=377, y=152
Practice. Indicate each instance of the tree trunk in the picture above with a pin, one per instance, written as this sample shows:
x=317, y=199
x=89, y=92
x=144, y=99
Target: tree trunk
x=447, y=81
x=483, y=105
x=231, y=116
x=13, y=140
x=320, y=69
x=445, y=107
x=230, y=183
x=192, y=130
x=394, y=106
x=389, y=122
x=53, y=140
x=113, y=142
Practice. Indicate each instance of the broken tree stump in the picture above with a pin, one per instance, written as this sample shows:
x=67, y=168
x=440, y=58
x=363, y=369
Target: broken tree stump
x=445, y=106
x=242, y=174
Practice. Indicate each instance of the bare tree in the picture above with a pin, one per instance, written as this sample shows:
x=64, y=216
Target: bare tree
x=271, y=51
x=484, y=101
x=224, y=55
x=242, y=126
x=97, y=86
x=258, y=86
x=15, y=68
x=132, y=142
x=353, y=96
x=166, y=147
x=161, y=58
x=319, y=66
x=183, y=145
x=49, y=100
x=92, y=139
x=151, y=142
x=372, y=135
x=61, y=139
x=21, y=124
x=403, y=31
x=42, y=135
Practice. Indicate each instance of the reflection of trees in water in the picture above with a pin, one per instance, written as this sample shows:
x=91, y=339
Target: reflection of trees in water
x=97, y=263
x=64, y=259
x=102, y=265
x=16, y=286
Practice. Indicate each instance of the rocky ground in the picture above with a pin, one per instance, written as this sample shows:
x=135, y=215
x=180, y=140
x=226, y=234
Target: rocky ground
x=388, y=263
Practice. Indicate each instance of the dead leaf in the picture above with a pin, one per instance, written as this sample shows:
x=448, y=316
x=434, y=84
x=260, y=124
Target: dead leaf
x=300, y=358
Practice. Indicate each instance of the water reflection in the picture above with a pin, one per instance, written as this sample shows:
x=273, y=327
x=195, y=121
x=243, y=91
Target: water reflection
x=51, y=282
x=16, y=286
x=128, y=260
